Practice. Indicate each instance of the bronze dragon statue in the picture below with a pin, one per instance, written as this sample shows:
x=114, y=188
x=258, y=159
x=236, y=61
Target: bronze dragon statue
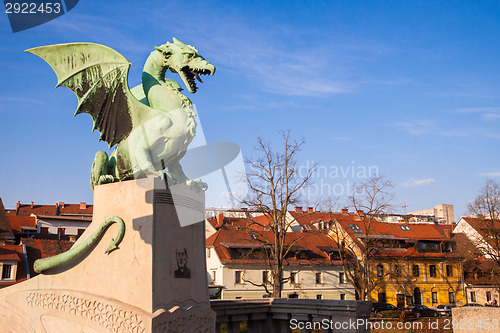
x=152, y=124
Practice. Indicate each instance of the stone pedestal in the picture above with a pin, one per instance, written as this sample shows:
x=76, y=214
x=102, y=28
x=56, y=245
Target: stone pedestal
x=156, y=280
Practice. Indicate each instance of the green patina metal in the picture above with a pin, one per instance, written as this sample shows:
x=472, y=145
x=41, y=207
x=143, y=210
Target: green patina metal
x=152, y=124
x=44, y=264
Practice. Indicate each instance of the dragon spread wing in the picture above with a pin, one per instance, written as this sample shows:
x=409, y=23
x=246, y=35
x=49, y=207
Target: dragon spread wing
x=98, y=75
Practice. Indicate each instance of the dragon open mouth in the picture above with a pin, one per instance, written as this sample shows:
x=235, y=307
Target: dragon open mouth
x=190, y=74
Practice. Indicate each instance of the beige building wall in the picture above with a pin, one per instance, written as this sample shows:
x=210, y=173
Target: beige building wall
x=305, y=286
x=443, y=212
x=478, y=294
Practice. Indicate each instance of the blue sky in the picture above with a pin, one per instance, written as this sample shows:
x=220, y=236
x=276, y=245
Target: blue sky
x=412, y=89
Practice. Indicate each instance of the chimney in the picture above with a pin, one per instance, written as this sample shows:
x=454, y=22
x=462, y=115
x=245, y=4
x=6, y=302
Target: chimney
x=220, y=219
x=298, y=209
x=18, y=204
x=447, y=233
x=32, y=204
x=344, y=211
x=83, y=205
x=360, y=212
x=310, y=209
x=61, y=204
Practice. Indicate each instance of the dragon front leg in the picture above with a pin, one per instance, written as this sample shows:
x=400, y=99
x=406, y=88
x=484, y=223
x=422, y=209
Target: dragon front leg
x=176, y=169
x=99, y=173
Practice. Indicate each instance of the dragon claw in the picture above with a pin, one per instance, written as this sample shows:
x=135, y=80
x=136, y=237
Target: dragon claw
x=197, y=184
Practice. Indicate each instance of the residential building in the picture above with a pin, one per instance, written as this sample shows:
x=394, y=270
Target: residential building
x=442, y=213
x=484, y=234
x=482, y=267
x=13, y=265
x=60, y=219
x=237, y=261
x=410, y=263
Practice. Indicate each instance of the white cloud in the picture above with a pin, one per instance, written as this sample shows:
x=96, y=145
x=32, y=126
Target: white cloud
x=478, y=110
x=413, y=182
x=416, y=127
x=490, y=174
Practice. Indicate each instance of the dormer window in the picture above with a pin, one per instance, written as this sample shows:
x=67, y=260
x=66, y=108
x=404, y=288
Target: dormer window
x=7, y=270
x=355, y=227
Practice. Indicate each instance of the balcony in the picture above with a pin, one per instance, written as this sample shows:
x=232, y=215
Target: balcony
x=280, y=315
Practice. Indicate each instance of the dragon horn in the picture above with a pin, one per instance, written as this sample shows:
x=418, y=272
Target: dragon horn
x=176, y=41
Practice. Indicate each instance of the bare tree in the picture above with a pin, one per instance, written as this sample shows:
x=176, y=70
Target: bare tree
x=370, y=200
x=486, y=208
x=274, y=185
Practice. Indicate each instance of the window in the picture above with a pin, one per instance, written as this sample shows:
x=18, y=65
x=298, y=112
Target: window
x=6, y=271
x=319, y=296
x=208, y=252
x=449, y=270
x=61, y=231
x=265, y=277
x=432, y=270
x=473, y=297
x=44, y=230
x=397, y=271
x=319, y=277
x=405, y=227
x=415, y=270
x=293, y=277
x=214, y=275
x=488, y=296
x=422, y=246
x=354, y=227
x=80, y=232
x=238, y=277
x=342, y=297
x=380, y=270
x=434, y=297
x=341, y=277
x=451, y=297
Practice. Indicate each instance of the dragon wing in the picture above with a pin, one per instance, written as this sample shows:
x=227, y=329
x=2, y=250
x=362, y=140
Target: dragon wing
x=98, y=75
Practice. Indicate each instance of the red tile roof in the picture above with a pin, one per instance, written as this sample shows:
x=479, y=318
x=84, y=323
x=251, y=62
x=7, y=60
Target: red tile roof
x=484, y=226
x=316, y=245
x=8, y=252
x=43, y=248
x=76, y=209
x=481, y=272
x=16, y=222
x=28, y=209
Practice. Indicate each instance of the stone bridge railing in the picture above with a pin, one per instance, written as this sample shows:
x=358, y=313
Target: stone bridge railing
x=280, y=315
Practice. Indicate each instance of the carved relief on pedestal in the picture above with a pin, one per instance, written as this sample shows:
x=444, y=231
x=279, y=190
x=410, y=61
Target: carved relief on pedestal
x=112, y=317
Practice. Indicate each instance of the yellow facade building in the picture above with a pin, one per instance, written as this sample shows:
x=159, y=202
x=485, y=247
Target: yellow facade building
x=410, y=263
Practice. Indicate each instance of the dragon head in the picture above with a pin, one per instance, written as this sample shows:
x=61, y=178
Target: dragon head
x=186, y=61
